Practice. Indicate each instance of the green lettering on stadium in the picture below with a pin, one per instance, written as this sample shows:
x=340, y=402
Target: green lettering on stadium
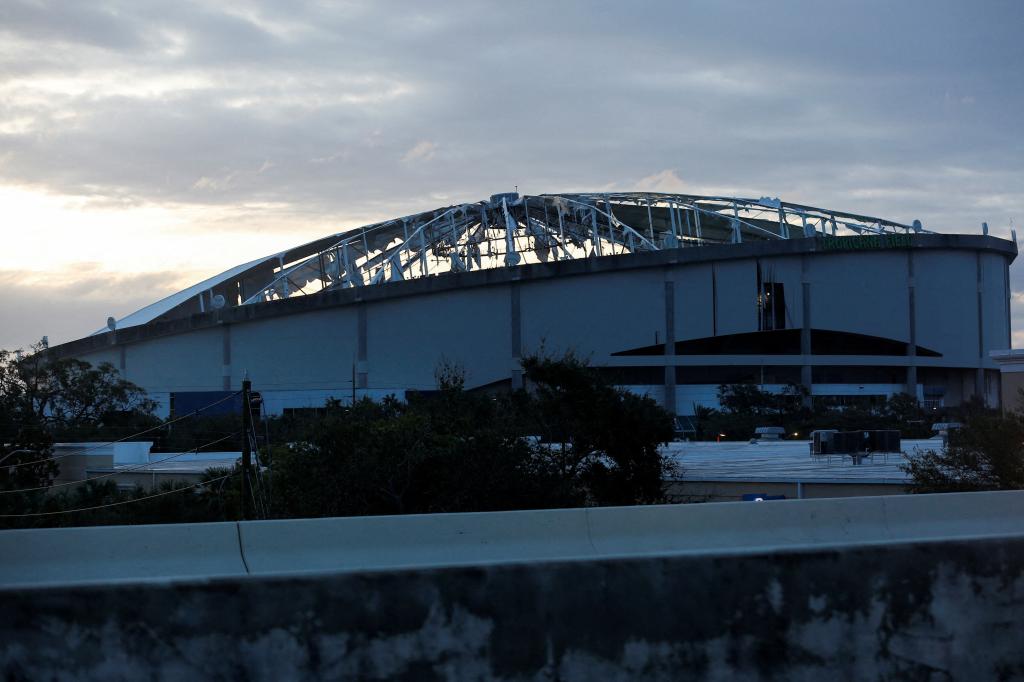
x=861, y=242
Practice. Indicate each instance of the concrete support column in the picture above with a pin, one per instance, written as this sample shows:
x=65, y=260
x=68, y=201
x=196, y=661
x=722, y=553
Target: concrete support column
x=979, y=377
x=912, y=327
x=516, y=338
x=912, y=380
x=225, y=357
x=670, y=345
x=1008, y=342
x=806, y=377
x=362, y=368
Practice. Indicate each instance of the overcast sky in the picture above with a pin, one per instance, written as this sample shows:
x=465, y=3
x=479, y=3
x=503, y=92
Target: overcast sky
x=147, y=145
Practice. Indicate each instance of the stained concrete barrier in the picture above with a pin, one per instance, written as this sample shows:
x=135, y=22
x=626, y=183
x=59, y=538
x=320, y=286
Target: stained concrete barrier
x=119, y=553
x=422, y=540
x=63, y=556
x=434, y=540
x=923, y=587
x=934, y=610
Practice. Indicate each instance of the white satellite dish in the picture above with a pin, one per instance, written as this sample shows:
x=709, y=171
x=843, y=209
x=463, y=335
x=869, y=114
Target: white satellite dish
x=217, y=302
x=111, y=324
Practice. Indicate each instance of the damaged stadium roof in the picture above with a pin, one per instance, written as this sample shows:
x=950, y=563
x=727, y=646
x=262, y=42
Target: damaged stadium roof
x=505, y=231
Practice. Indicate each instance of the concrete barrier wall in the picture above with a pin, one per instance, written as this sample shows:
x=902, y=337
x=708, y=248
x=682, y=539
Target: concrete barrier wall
x=915, y=587
x=62, y=556
x=454, y=539
x=33, y=557
x=944, y=609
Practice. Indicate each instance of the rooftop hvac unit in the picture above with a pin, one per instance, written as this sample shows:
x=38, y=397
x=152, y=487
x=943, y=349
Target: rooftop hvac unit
x=821, y=441
x=856, y=442
x=887, y=440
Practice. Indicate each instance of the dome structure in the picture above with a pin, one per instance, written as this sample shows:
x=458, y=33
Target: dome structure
x=505, y=231
x=669, y=295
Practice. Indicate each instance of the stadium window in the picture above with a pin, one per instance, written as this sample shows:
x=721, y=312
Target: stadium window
x=780, y=374
x=633, y=376
x=771, y=301
x=725, y=374
x=772, y=305
x=738, y=374
x=863, y=402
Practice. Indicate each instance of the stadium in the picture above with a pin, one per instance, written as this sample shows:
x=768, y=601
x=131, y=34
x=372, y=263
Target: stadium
x=671, y=295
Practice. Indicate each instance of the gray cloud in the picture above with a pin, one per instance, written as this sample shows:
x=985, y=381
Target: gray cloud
x=67, y=305
x=366, y=110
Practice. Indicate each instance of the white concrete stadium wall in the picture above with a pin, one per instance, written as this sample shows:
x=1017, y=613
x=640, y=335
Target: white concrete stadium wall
x=994, y=301
x=599, y=314
x=861, y=293
x=183, y=362
x=947, y=304
x=408, y=338
x=112, y=355
x=737, y=295
x=309, y=351
x=298, y=359
x=694, y=309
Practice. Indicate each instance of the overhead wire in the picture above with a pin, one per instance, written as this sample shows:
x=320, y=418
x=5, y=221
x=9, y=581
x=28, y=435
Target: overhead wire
x=117, y=504
x=258, y=488
x=262, y=486
x=252, y=495
x=121, y=440
x=256, y=480
x=270, y=462
x=124, y=470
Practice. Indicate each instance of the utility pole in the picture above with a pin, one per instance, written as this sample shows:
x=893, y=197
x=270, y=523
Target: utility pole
x=246, y=451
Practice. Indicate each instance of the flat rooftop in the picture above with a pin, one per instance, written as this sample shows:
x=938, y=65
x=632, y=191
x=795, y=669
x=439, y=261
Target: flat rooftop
x=172, y=463
x=789, y=461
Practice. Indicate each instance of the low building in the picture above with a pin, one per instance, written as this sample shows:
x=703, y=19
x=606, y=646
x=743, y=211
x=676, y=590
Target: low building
x=1011, y=373
x=133, y=464
x=726, y=472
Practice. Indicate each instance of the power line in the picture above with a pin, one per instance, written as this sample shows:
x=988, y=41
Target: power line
x=119, y=471
x=116, y=504
x=262, y=487
x=260, y=493
x=121, y=440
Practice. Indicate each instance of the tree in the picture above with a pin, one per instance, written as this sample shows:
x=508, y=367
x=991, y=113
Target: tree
x=216, y=499
x=42, y=397
x=748, y=399
x=69, y=395
x=444, y=452
x=573, y=439
x=26, y=445
x=602, y=440
x=986, y=454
